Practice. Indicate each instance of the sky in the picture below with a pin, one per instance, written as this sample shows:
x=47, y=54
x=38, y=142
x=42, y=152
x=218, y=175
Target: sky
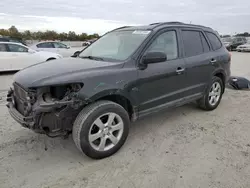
x=100, y=16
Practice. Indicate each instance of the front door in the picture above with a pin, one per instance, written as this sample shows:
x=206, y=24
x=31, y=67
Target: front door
x=162, y=84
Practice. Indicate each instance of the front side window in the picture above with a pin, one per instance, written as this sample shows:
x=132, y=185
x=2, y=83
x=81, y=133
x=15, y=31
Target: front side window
x=3, y=48
x=117, y=45
x=59, y=45
x=17, y=48
x=166, y=43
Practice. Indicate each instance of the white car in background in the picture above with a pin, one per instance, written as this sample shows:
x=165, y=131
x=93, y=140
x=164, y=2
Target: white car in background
x=56, y=47
x=244, y=47
x=15, y=56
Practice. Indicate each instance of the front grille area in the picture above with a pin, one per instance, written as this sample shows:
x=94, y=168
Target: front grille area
x=20, y=92
x=20, y=96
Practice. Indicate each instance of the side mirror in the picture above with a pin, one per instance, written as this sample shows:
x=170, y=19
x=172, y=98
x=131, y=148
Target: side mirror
x=154, y=57
x=68, y=47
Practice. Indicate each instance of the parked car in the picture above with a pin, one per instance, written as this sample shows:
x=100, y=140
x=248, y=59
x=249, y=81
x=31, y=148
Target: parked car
x=128, y=73
x=16, y=56
x=231, y=43
x=11, y=39
x=244, y=47
x=56, y=47
x=86, y=43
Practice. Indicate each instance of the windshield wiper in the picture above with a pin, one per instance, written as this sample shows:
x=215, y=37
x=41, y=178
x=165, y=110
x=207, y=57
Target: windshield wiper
x=92, y=57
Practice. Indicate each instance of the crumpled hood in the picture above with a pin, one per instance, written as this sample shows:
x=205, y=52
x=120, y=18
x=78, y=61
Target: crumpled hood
x=60, y=70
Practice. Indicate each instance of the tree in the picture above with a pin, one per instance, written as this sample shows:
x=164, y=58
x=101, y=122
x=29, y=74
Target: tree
x=46, y=35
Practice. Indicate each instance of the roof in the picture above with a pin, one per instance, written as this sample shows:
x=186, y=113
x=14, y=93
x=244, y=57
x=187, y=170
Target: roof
x=160, y=25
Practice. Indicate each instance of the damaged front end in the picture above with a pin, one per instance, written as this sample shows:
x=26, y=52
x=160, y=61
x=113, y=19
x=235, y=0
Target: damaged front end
x=48, y=110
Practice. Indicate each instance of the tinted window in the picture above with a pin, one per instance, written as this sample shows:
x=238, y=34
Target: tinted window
x=192, y=43
x=17, y=48
x=166, y=43
x=59, y=45
x=204, y=43
x=4, y=40
x=214, y=41
x=3, y=48
x=45, y=45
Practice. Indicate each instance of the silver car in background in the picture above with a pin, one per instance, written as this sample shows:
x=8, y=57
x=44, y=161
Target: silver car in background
x=244, y=47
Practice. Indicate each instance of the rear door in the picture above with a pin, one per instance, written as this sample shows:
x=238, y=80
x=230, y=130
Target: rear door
x=199, y=60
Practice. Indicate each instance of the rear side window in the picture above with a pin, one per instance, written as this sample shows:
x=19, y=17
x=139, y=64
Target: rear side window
x=192, y=43
x=214, y=41
x=59, y=45
x=45, y=45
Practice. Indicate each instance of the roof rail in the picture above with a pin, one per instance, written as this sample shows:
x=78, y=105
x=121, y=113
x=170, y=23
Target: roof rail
x=161, y=23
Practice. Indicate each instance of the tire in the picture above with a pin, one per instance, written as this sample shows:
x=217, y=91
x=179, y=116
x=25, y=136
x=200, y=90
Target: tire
x=84, y=124
x=205, y=102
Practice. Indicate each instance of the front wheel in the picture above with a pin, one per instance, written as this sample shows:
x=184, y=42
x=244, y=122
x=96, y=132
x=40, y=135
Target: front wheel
x=101, y=129
x=213, y=95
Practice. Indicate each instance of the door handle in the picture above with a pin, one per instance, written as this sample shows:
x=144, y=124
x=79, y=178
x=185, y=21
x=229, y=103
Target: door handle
x=213, y=61
x=179, y=70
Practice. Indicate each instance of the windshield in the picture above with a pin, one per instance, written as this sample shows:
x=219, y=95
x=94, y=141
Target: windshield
x=117, y=45
x=227, y=39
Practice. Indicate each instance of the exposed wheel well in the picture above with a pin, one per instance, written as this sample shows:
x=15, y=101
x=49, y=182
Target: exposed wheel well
x=51, y=58
x=222, y=77
x=124, y=102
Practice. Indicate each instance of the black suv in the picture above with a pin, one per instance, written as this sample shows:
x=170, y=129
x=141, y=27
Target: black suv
x=128, y=73
x=11, y=39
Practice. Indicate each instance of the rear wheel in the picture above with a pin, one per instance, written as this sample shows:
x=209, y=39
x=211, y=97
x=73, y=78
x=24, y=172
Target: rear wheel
x=213, y=95
x=101, y=129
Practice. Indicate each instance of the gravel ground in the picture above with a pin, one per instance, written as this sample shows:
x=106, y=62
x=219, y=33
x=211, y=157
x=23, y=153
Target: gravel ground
x=184, y=147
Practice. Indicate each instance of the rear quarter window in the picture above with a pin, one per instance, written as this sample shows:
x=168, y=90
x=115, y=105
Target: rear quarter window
x=214, y=41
